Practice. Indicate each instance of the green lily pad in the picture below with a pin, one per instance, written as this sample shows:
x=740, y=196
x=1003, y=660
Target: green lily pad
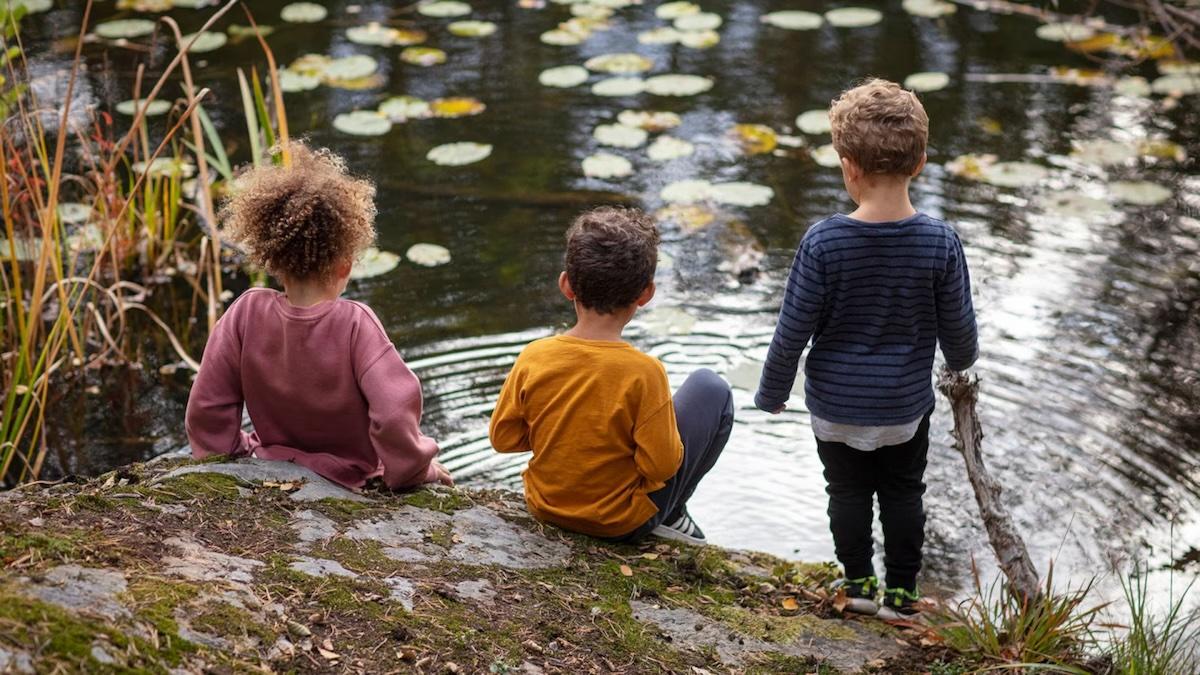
x=561, y=38
x=606, y=165
x=667, y=148
x=427, y=255
x=458, y=154
x=813, y=122
x=1182, y=84
x=238, y=32
x=650, y=120
x=619, y=64
x=1179, y=68
x=362, y=123
x=928, y=81
x=32, y=6
x=699, y=39
x=153, y=109
x=620, y=135
x=206, y=41
x=1139, y=192
x=1069, y=204
x=1133, y=85
x=303, y=12
x=1065, y=32
x=793, y=20
x=930, y=9
x=741, y=194
x=1013, y=174
x=563, y=77
x=1104, y=152
x=374, y=263
x=619, y=86
x=377, y=35
x=474, y=29
x=423, y=56
x=349, y=68
x=853, y=17
x=826, y=156
x=678, y=85
x=24, y=250
x=125, y=28
x=444, y=9
x=664, y=35
x=291, y=82
x=697, y=22
x=166, y=166
x=403, y=108
x=588, y=10
x=74, y=213
x=673, y=10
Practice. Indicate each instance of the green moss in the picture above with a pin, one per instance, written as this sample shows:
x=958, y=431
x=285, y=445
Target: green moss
x=442, y=535
x=443, y=500
x=225, y=620
x=344, y=510
x=774, y=628
x=90, y=502
x=786, y=663
x=58, y=546
x=191, y=486
x=154, y=601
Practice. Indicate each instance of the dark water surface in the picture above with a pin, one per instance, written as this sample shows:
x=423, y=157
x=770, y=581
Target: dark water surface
x=1090, y=337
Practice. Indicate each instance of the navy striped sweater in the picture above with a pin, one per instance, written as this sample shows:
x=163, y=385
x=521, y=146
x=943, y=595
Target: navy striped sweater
x=875, y=298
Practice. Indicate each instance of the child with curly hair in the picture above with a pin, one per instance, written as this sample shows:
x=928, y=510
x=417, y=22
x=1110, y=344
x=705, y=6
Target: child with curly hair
x=324, y=386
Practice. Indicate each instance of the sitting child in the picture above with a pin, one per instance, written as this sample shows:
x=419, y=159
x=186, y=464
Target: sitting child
x=876, y=291
x=613, y=456
x=322, y=382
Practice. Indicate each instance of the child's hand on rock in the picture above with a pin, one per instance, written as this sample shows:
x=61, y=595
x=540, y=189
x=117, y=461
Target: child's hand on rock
x=443, y=474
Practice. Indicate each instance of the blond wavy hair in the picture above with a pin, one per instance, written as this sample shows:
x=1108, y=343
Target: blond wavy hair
x=304, y=220
x=881, y=127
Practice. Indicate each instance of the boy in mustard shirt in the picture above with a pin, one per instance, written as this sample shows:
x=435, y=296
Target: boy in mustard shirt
x=614, y=456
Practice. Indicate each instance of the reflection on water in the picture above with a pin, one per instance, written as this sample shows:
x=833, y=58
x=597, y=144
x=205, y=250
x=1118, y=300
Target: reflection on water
x=1089, y=324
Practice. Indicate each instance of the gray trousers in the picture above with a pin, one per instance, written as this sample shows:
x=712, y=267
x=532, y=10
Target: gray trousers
x=704, y=415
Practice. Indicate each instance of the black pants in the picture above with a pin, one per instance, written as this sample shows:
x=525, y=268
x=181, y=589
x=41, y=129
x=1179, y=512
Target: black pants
x=704, y=415
x=896, y=473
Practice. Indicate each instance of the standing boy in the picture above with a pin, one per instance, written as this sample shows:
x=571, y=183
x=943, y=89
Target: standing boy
x=613, y=456
x=876, y=291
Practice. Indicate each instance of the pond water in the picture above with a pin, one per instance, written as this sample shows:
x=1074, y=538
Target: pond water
x=1088, y=314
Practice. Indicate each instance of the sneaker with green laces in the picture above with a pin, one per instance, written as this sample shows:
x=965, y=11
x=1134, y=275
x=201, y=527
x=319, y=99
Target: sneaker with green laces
x=860, y=594
x=899, y=604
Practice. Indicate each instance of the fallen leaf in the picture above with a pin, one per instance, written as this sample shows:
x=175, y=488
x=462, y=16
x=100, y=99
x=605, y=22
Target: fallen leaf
x=626, y=570
x=840, y=600
x=650, y=556
x=790, y=604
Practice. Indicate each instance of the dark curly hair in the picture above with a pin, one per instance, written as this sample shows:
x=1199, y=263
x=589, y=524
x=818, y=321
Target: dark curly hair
x=303, y=220
x=611, y=257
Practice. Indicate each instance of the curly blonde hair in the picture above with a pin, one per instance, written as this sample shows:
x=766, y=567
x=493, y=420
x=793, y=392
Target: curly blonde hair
x=881, y=126
x=301, y=221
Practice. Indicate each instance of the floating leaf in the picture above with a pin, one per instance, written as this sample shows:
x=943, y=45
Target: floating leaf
x=444, y=9
x=813, y=122
x=563, y=77
x=678, y=85
x=1179, y=84
x=686, y=216
x=373, y=263
x=561, y=38
x=74, y=213
x=456, y=106
x=379, y=35
x=32, y=6
x=423, y=56
x=853, y=17
x=1179, y=68
x=362, y=123
x=620, y=135
x=349, y=68
x=793, y=20
x=930, y=9
x=1068, y=204
x=290, y=81
x=153, y=109
x=1065, y=32
x=589, y=11
x=606, y=165
x=166, y=166
x=666, y=148
x=650, y=120
x=86, y=239
x=1139, y=192
x=206, y=41
x=619, y=86
x=458, y=154
x=402, y=108
x=1161, y=148
x=755, y=139
x=1103, y=152
x=303, y=12
x=311, y=64
x=826, y=156
x=238, y=32
x=698, y=22
x=427, y=255
x=928, y=81
x=741, y=194
x=674, y=10
x=1098, y=43
x=619, y=64
x=664, y=35
x=699, y=39
x=686, y=191
x=1134, y=85
x=970, y=165
x=125, y=28
x=473, y=29
x=24, y=250
x=1013, y=174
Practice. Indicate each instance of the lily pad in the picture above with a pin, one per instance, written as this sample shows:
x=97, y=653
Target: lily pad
x=686, y=216
x=238, y=32
x=456, y=106
x=619, y=64
x=24, y=250
x=166, y=166
x=206, y=41
x=970, y=165
x=311, y=64
x=427, y=255
x=374, y=263
x=664, y=35
x=74, y=213
x=606, y=165
x=423, y=56
x=853, y=17
x=349, y=68
x=678, y=85
x=1132, y=85
x=561, y=38
x=650, y=120
x=699, y=39
x=458, y=154
x=1179, y=68
x=153, y=109
x=673, y=10
x=1181, y=84
x=1161, y=148
x=755, y=139
x=793, y=20
x=1139, y=192
x=444, y=9
x=588, y=10
x=1065, y=32
x=472, y=29
x=686, y=191
x=32, y=6
x=666, y=148
x=290, y=81
x=930, y=9
x=403, y=108
x=813, y=122
x=1013, y=174
x=362, y=123
x=377, y=34
x=826, y=156
x=1103, y=152
x=563, y=77
x=928, y=81
x=619, y=86
x=87, y=239
x=620, y=135
x=697, y=22
x=125, y=28
x=1070, y=204
x=303, y=12
x=741, y=194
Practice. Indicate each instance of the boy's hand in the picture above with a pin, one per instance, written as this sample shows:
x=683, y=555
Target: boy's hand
x=443, y=474
x=781, y=408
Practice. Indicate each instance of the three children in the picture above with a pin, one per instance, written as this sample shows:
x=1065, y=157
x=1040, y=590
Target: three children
x=615, y=455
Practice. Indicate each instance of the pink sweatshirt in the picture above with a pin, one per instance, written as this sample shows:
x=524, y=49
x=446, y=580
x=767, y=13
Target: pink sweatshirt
x=324, y=386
